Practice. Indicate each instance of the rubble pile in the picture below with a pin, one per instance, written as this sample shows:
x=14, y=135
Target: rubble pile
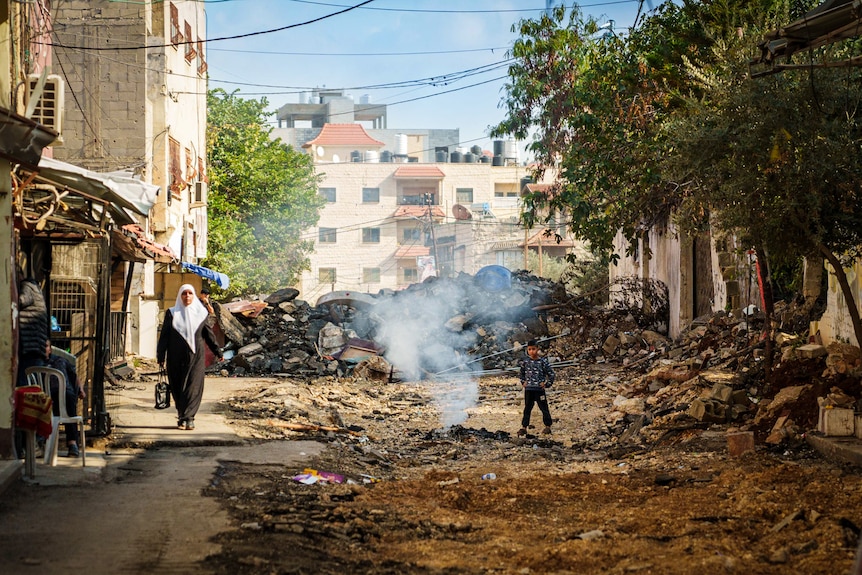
x=446, y=322
x=714, y=373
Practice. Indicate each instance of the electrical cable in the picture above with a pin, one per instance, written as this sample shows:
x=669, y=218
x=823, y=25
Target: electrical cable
x=208, y=40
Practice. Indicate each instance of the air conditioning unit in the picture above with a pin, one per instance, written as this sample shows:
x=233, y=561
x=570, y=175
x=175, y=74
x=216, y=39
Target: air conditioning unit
x=199, y=195
x=48, y=108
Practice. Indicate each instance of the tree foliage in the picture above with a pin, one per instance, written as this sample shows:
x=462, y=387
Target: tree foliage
x=262, y=195
x=667, y=121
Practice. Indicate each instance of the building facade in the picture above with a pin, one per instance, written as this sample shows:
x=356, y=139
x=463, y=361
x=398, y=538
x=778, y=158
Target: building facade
x=391, y=221
x=136, y=103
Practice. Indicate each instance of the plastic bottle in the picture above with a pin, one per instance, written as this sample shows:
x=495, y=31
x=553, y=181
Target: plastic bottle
x=489, y=476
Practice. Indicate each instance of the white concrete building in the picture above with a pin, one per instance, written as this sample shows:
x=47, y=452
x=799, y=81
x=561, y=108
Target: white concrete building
x=384, y=220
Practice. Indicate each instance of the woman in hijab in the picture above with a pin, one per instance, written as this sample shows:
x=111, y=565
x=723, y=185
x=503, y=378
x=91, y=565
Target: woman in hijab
x=181, y=341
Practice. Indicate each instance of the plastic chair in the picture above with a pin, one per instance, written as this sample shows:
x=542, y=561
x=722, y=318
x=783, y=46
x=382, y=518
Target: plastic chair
x=41, y=376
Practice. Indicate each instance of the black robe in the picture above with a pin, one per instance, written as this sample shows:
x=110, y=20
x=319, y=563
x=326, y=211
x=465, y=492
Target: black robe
x=185, y=369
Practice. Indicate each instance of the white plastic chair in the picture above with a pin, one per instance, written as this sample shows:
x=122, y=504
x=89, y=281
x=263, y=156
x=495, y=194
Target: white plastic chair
x=41, y=376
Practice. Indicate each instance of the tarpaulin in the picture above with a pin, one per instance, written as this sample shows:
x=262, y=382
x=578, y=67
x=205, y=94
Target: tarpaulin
x=220, y=279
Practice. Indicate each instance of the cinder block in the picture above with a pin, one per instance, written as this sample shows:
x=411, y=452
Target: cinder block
x=739, y=443
x=836, y=422
x=811, y=350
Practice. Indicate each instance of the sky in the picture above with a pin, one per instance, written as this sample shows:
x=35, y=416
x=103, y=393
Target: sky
x=435, y=63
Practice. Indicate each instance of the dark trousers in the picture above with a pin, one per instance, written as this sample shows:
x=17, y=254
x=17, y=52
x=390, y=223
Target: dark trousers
x=71, y=410
x=536, y=396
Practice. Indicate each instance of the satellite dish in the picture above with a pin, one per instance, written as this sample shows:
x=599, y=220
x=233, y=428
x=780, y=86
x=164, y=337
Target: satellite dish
x=320, y=151
x=461, y=213
x=335, y=158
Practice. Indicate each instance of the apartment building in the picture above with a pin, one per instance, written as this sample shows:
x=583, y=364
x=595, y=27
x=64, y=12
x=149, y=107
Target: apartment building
x=136, y=91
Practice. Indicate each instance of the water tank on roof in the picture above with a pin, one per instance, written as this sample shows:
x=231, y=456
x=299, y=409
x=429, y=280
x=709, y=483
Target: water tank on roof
x=400, y=144
x=497, y=161
x=355, y=156
x=372, y=156
x=469, y=158
x=456, y=157
x=476, y=150
x=499, y=147
x=412, y=159
x=511, y=150
x=526, y=180
x=303, y=97
x=485, y=159
x=386, y=156
x=441, y=156
x=365, y=99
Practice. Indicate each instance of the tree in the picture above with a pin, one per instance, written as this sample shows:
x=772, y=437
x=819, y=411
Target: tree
x=262, y=196
x=778, y=163
x=594, y=104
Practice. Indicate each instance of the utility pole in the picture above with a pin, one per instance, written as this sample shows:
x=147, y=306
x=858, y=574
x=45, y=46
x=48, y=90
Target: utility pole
x=428, y=197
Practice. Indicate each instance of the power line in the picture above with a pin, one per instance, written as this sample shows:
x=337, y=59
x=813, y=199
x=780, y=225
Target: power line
x=208, y=40
x=431, y=11
x=439, y=80
x=363, y=54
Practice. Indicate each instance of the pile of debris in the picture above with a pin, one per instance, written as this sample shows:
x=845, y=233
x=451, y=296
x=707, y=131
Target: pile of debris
x=714, y=373
x=438, y=325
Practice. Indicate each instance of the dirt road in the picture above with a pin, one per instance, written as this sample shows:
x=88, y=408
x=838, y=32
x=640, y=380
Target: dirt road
x=577, y=502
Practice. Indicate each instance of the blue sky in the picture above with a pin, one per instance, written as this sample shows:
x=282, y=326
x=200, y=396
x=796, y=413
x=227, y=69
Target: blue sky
x=382, y=43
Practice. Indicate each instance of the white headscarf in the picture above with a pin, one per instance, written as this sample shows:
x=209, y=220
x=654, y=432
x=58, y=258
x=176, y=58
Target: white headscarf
x=187, y=319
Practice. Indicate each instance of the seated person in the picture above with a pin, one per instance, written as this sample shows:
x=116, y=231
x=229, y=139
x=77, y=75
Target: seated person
x=73, y=392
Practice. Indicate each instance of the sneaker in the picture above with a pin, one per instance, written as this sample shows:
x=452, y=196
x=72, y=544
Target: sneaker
x=181, y=424
x=522, y=431
x=73, y=451
x=547, y=430
x=190, y=424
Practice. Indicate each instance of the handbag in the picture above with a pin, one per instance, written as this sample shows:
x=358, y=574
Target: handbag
x=163, y=392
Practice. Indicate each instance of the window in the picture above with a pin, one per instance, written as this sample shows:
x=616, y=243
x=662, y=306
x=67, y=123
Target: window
x=371, y=275
x=326, y=235
x=176, y=35
x=326, y=275
x=464, y=195
x=411, y=235
x=328, y=194
x=202, y=64
x=371, y=235
x=176, y=168
x=190, y=46
x=410, y=275
x=504, y=194
x=370, y=195
x=418, y=197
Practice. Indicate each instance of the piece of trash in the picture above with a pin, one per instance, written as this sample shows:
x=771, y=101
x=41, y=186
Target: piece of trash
x=489, y=476
x=254, y=526
x=449, y=482
x=312, y=476
x=368, y=478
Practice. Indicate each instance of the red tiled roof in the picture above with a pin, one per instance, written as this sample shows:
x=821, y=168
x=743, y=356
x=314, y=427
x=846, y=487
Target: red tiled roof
x=412, y=251
x=418, y=211
x=343, y=135
x=419, y=172
x=550, y=241
x=532, y=188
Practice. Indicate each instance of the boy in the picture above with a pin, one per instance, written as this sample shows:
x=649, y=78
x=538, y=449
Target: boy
x=536, y=376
